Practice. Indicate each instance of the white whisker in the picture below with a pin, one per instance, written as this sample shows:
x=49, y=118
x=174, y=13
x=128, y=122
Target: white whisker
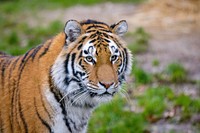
x=124, y=93
x=67, y=94
x=75, y=97
x=84, y=95
x=78, y=97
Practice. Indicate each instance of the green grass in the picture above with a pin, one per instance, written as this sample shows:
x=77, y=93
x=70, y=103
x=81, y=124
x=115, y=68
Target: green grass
x=21, y=38
x=154, y=101
x=176, y=72
x=172, y=73
x=141, y=76
x=9, y=6
x=188, y=106
x=155, y=62
x=114, y=118
x=140, y=43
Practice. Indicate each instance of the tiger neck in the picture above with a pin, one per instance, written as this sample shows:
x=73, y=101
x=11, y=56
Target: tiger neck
x=69, y=115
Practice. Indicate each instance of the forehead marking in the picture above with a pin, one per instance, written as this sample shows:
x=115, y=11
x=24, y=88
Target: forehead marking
x=89, y=48
x=113, y=47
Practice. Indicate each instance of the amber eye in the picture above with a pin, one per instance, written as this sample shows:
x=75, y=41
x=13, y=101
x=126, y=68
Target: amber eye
x=89, y=58
x=113, y=57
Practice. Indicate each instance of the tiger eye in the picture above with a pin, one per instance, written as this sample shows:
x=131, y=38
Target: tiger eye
x=113, y=57
x=89, y=58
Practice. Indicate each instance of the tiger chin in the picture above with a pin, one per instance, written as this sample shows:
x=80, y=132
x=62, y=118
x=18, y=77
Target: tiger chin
x=55, y=86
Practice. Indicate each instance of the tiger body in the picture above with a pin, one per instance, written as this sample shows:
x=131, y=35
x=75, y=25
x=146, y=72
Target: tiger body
x=55, y=86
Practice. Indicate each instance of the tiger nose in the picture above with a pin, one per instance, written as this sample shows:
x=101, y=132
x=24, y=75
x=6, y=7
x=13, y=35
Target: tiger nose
x=106, y=85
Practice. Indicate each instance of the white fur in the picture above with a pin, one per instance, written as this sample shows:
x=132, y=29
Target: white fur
x=58, y=69
x=58, y=125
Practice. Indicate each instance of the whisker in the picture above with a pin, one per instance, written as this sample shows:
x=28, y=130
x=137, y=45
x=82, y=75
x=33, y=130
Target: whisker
x=91, y=89
x=86, y=97
x=69, y=103
x=68, y=94
x=124, y=93
x=78, y=97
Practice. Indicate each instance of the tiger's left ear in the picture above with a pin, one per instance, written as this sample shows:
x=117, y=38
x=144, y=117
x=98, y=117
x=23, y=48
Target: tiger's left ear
x=72, y=30
x=120, y=28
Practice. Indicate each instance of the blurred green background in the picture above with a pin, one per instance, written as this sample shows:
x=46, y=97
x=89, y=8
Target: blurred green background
x=149, y=99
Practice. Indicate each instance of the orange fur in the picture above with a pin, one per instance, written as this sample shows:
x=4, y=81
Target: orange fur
x=27, y=91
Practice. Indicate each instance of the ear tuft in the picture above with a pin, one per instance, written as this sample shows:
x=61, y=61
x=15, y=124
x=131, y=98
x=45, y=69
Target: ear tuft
x=72, y=30
x=120, y=28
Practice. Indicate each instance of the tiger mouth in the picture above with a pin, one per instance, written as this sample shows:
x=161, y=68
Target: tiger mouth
x=93, y=94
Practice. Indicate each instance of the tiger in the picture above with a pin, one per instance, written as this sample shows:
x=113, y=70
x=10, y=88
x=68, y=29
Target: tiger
x=55, y=86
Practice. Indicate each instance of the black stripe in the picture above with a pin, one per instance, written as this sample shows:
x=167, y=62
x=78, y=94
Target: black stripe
x=13, y=105
x=85, y=52
x=22, y=115
x=106, y=35
x=3, y=65
x=92, y=41
x=92, y=30
x=41, y=119
x=80, y=46
x=90, y=21
x=80, y=55
x=95, y=26
x=43, y=104
x=106, y=40
x=80, y=63
x=92, y=36
x=82, y=40
x=1, y=124
x=54, y=90
x=6, y=63
x=58, y=97
x=13, y=67
x=105, y=30
x=117, y=43
x=36, y=51
x=66, y=64
x=67, y=80
x=73, y=123
x=123, y=61
x=2, y=72
x=24, y=60
x=126, y=58
x=121, y=79
x=13, y=86
x=73, y=60
x=45, y=50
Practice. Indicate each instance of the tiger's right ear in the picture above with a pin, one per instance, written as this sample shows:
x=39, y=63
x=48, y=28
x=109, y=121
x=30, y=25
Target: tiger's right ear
x=72, y=30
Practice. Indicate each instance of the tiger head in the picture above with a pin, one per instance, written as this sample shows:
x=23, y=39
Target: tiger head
x=94, y=61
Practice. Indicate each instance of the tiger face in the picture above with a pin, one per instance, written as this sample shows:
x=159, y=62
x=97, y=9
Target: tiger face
x=94, y=62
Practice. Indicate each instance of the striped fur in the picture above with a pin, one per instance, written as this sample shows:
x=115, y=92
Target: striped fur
x=55, y=86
